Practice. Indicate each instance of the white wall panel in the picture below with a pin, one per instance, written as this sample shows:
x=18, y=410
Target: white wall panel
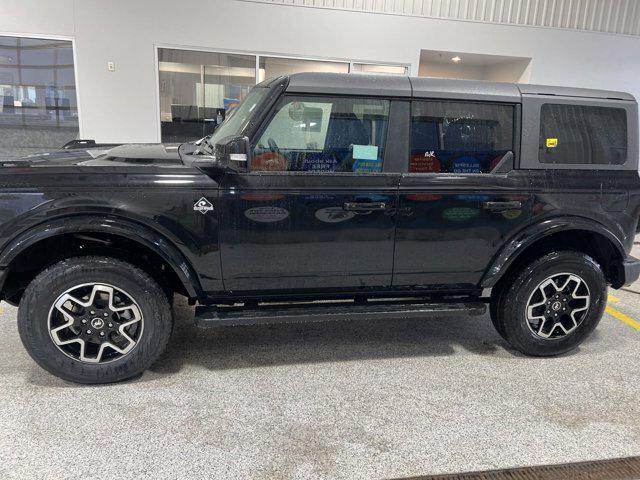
x=612, y=16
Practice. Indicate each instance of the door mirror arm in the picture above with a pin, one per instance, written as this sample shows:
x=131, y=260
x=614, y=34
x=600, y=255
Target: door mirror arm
x=230, y=155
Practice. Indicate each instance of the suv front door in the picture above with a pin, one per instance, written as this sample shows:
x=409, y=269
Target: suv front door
x=316, y=211
x=460, y=198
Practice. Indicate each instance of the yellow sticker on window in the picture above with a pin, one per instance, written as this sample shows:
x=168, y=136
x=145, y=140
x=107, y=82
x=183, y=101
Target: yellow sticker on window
x=552, y=142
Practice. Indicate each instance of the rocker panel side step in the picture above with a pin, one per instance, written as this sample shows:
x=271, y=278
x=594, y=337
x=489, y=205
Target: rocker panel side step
x=212, y=316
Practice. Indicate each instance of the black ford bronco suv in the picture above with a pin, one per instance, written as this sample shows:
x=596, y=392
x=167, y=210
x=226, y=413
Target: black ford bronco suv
x=322, y=197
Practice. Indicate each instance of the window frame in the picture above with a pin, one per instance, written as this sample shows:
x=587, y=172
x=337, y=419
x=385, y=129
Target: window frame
x=531, y=117
x=266, y=120
x=516, y=142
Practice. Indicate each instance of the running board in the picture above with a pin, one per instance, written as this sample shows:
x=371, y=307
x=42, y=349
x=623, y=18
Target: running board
x=212, y=316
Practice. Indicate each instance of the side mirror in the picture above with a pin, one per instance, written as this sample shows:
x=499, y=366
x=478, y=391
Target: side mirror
x=230, y=154
x=234, y=152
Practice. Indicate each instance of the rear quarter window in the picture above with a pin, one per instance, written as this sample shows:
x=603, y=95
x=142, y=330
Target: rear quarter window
x=582, y=135
x=459, y=137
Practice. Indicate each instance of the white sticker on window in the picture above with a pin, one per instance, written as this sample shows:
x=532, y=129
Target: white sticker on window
x=365, y=152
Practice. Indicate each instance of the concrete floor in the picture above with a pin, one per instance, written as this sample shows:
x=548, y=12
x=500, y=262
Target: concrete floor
x=344, y=400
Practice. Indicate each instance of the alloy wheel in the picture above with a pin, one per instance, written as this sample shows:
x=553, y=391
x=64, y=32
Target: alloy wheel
x=95, y=323
x=558, y=305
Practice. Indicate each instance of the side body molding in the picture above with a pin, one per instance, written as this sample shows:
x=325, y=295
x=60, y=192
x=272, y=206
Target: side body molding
x=113, y=225
x=527, y=237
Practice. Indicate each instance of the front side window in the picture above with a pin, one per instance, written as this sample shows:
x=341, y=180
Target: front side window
x=459, y=137
x=324, y=134
x=579, y=134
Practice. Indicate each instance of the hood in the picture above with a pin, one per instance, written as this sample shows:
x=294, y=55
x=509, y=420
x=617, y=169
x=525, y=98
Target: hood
x=130, y=154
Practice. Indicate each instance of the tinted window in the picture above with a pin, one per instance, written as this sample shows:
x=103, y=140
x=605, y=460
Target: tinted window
x=324, y=134
x=459, y=137
x=578, y=134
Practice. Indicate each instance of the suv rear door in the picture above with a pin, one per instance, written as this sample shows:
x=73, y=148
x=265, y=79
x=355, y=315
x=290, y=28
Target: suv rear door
x=460, y=197
x=316, y=211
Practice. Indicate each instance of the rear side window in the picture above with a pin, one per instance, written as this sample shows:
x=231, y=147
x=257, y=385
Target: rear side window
x=324, y=134
x=459, y=137
x=579, y=134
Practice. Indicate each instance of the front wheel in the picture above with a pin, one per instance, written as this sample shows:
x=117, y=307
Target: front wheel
x=553, y=304
x=94, y=320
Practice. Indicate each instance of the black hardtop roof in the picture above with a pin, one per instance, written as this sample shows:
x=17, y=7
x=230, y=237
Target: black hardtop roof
x=423, y=87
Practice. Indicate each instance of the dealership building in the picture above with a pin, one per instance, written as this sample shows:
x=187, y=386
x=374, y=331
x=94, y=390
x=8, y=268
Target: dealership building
x=141, y=71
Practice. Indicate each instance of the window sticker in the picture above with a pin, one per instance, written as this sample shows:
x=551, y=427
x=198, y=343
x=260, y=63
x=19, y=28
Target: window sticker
x=467, y=164
x=269, y=162
x=552, y=142
x=365, y=152
x=424, y=163
x=367, y=166
x=319, y=162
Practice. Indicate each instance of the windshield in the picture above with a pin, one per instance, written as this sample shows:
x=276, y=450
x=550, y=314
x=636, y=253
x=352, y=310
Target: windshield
x=236, y=120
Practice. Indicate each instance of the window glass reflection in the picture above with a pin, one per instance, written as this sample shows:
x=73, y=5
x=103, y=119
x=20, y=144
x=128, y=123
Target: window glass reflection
x=580, y=134
x=197, y=89
x=381, y=69
x=271, y=67
x=459, y=137
x=324, y=134
x=38, y=106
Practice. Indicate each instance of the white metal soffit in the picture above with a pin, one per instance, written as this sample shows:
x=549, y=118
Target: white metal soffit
x=611, y=16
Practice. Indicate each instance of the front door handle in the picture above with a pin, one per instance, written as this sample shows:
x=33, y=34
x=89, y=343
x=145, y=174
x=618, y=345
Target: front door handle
x=501, y=206
x=364, y=206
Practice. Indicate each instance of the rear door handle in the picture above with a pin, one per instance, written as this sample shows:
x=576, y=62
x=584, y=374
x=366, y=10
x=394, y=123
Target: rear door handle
x=364, y=206
x=501, y=206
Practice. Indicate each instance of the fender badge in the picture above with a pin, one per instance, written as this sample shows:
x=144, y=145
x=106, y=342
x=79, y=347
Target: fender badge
x=203, y=206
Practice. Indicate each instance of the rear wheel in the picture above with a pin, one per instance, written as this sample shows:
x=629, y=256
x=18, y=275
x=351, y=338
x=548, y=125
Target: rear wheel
x=552, y=304
x=94, y=320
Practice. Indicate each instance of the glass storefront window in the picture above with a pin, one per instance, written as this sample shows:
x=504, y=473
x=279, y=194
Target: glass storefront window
x=275, y=66
x=197, y=89
x=382, y=69
x=38, y=104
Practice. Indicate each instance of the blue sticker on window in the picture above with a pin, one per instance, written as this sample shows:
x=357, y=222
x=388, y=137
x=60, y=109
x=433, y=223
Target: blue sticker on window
x=467, y=164
x=367, y=166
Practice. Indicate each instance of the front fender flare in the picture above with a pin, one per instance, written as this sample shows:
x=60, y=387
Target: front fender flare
x=533, y=233
x=113, y=225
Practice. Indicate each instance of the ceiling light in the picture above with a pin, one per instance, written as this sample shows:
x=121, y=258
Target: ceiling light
x=456, y=59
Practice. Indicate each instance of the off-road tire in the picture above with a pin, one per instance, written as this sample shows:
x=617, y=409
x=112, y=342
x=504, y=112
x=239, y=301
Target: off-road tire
x=510, y=308
x=47, y=286
x=496, y=297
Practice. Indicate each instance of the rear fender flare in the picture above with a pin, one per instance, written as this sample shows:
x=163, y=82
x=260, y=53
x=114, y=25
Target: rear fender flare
x=532, y=234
